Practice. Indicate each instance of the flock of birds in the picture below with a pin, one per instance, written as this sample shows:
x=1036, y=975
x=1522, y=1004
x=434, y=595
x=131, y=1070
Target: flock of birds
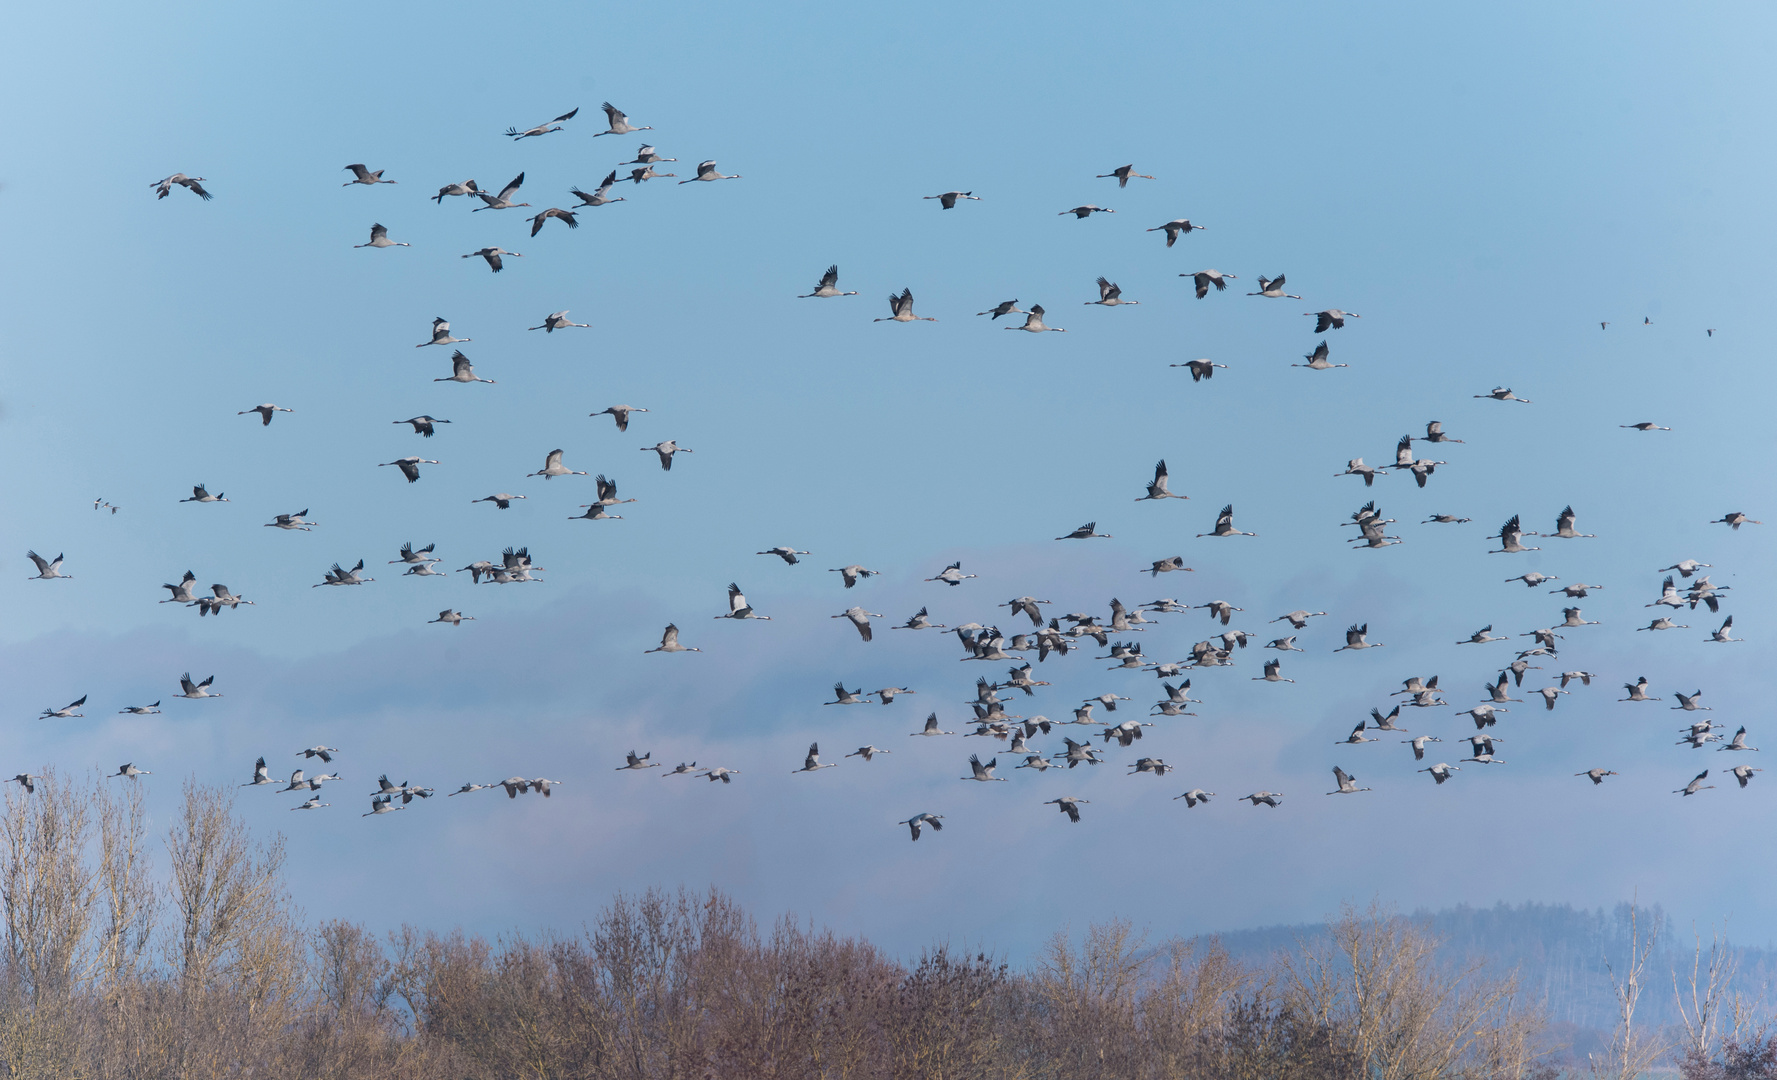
x=1050, y=634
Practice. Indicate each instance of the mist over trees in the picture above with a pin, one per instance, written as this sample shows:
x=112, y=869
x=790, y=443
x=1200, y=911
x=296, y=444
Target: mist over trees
x=182, y=956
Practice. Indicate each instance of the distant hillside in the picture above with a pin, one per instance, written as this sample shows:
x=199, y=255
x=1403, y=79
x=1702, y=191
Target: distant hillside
x=1560, y=953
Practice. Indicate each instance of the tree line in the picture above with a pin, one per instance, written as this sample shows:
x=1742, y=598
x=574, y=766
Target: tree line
x=209, y=971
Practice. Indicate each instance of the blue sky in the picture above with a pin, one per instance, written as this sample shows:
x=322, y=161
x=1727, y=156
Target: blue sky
x=1483, y=186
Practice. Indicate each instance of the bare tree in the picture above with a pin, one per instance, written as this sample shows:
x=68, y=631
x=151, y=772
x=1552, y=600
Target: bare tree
x=1630, y=1051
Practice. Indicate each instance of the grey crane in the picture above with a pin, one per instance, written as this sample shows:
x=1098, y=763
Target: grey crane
x=1738, y=742
x=545, y=128
x=842, y=696
x=461, y=371
x=1482, y=636
x=1298, y=619
x=1445, y=519
x=602, y=194
x=558, y=320
x=1203, y=279
x=412, y=555
x=1685, y=568
x=181, y=592
x=1194, y=796
x=852, y=574
x=1331, y=318
x=199, y=494
x=1033, y=322
x=566, y=217
x=423, y=425
x=1637, y=691
x=706, y=170
x=1596, y=775
x=1743, y=773
x=1357, y=736
x=920, y=622
x=983, y=773
x=1722, y=633
x=1734, y=519
x=362, y=175
x=1068, y=805
x=669, y=642
x=1123, y=174
x=467, y=187
x=1688, y=702
x=337, y=576
x=619, y=413
x=1549, y=694
x=666, y=450
x=1318, y=359
x=379, y=238
x=1434, y=433
x=1645, y=425
x=947, y=200
x=552, y=468
x=1157, y=489
x=189, y=183
x=1004, y=307
x=451, y=616
x=1441, y=772
x=859, y=618
x=828, y=286
x=888, y=694
x=66, y=712
x=49, y=569
x=1346, y=782
x=952, y=575
x=265, y=412
x=1532, y=579
x=189, y=689
x=1086, y=211
x=1200, y=369
x=1110, y=294
x=931, y=728
x=1273, y=673
x=646, y=172
x=1272, y=799
x=1695, y=785
x=313, y=802
x=409, y=466
x=638, y=763
x=1357, y=637
x=261, y=775
x=1564, y=527
x=919, y=820
x=1273, y=288
x=681, y=769
x=382, y=804
x=720, y=773
x=1224, y=525
x=441, y=335
x=1503, y=393
x=1509, y=536
x=1585, y=677
x=1380, y=722
x=1418, y=744
x=503, y=199
x=141, y=710
x=1175, y=228
x=495, y=255
x=647, y=156
x=1356, y=467
x=788, y=554
x=1663, y=623
x=618, y=122
x=868, y=753
x=1085, y=532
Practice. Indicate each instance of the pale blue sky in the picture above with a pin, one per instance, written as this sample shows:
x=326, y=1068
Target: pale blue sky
x=1484, y=185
